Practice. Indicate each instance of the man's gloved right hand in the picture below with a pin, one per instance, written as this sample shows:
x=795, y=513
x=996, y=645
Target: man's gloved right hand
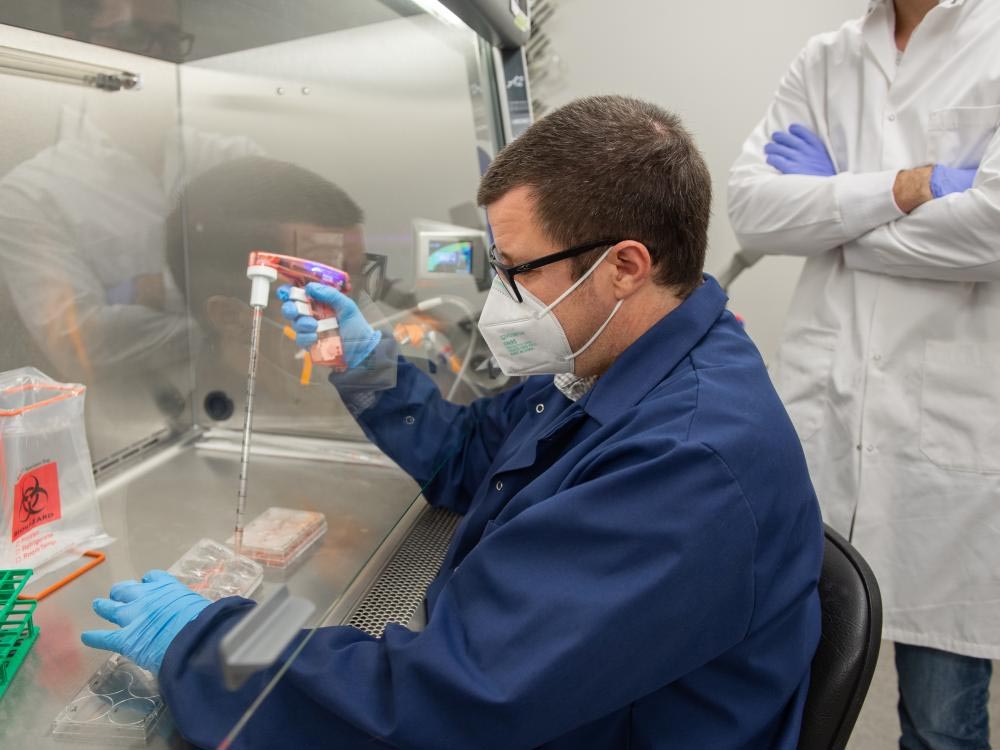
x=947, y=180
x=360, y=339
x=150, y=613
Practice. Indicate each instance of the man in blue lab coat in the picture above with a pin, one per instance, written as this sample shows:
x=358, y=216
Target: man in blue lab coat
x=638, y=559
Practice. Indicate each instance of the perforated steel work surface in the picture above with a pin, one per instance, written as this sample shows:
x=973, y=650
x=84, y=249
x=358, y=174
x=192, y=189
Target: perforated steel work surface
x=399, y=589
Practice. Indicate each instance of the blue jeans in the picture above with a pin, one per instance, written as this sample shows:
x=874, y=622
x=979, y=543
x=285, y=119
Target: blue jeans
x=943, y=699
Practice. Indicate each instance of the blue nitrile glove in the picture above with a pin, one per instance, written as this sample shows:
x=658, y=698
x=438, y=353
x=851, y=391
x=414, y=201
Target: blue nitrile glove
x=150, y=612
x=947, y=180
x=799, y=151
x=360, y=339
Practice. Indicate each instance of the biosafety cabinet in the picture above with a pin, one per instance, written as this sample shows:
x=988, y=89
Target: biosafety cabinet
x=146, y=148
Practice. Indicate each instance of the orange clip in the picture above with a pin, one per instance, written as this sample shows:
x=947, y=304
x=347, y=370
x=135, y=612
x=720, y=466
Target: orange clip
x=98, y=559
x=307, y=364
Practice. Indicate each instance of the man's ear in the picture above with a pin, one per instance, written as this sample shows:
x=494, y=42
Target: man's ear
x=633, y=266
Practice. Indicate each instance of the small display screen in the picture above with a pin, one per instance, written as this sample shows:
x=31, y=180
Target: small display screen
x=447, y=256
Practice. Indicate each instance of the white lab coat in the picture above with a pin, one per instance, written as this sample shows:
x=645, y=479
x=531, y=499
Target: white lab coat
x=890, y=362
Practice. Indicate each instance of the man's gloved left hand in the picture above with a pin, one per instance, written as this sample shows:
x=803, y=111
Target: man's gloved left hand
x=150, y=612
x=799, y=151
x=358, y=336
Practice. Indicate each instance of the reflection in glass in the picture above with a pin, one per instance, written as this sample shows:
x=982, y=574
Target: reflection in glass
x=145, y=27
x=83, y=229
x=261, y=204
x=81, y=243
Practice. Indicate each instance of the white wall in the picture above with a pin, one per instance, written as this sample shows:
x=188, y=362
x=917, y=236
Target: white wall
x=714, y=63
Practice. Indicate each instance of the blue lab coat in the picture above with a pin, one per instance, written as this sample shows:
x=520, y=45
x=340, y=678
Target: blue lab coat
x=634, y=570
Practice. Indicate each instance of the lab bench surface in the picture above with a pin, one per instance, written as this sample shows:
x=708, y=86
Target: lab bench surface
x=156, y=512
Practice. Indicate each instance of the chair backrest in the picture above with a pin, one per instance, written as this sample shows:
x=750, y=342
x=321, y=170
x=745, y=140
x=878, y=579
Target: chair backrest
x=848, y=648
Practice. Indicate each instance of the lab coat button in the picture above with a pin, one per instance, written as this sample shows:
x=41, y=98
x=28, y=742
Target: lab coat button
x=877, y=357
x=409, y=419
x=870, y=448
x=892, y=117
x=540, y=408
x=499, y=486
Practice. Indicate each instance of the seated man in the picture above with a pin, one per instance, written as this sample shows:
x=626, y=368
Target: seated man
x=638, y=559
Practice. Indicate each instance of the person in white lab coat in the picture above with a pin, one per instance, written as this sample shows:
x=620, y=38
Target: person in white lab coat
x=879, y=161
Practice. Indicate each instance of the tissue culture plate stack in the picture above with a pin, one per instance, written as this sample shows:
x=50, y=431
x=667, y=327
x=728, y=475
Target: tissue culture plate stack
x=121, y=704
x=280, y=536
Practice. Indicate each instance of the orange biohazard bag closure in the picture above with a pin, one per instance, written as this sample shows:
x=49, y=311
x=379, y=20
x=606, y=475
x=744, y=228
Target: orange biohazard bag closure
x=48, y=509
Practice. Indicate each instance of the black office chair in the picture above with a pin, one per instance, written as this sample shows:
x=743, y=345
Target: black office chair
x=848, y=648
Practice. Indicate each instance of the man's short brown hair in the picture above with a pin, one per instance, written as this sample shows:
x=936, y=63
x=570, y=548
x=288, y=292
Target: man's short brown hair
x=617, y=168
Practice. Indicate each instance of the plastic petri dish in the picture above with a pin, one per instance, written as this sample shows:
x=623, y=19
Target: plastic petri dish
x=144, y=690
x=228, y=584
x=211, y=551
x=132, y=711
x=198, y=568
x=88, y=709
x=111, y=683
x=245, y=569
x=143, y=683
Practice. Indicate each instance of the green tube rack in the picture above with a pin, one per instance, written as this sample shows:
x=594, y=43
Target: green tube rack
x=17, y=629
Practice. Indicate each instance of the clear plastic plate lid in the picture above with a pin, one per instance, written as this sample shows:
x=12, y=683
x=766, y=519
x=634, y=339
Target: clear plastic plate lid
x=119, y=705
x=214, y=571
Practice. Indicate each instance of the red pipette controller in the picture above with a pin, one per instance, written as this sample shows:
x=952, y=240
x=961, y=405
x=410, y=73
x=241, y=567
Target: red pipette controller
x=329, y=347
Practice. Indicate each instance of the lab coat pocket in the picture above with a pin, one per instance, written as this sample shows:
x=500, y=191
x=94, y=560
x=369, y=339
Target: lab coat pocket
x=959, y=136
x=802, y=377
x=960, y=407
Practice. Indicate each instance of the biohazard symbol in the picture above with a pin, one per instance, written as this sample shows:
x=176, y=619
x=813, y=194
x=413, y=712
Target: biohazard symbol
x=34, y=499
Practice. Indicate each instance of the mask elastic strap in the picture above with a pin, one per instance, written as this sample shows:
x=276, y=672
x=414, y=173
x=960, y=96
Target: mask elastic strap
x=593, y=338
x=575, y=285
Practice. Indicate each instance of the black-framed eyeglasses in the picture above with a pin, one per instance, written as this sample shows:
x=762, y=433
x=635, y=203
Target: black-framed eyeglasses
x=374, y=274
x=506, y=273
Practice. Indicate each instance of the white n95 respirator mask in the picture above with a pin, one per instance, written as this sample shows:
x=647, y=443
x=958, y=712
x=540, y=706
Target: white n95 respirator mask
x=526, y=338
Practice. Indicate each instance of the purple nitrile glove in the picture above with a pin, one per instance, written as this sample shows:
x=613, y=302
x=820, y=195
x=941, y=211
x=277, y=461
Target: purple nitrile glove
x=947, y=180
x=799, y=151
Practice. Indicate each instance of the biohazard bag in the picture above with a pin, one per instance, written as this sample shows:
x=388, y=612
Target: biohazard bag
x=48, y=509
